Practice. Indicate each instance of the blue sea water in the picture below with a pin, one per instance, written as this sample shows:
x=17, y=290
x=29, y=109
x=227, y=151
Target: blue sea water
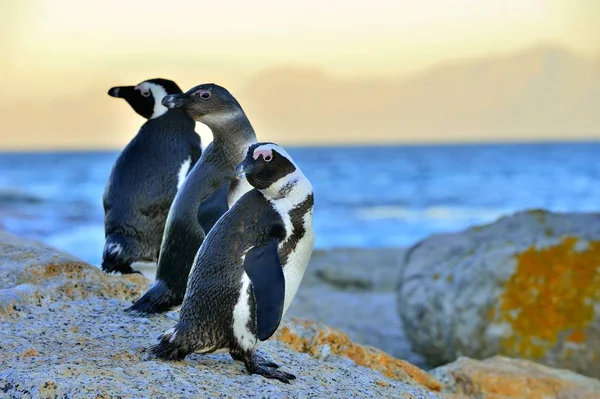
x=364, y=196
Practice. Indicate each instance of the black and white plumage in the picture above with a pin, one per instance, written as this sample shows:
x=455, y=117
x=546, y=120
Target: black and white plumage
x=146, y=176
x=208, y=192
x=249, y=268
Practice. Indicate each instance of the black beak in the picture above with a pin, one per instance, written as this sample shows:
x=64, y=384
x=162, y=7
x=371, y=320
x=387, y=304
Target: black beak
x=247, y=167
x=120, y=91
x=239, y=171
x=177, y=100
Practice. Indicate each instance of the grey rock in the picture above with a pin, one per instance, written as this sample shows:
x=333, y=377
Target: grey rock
x=32, y=273
x=64, y=334
x=355, y=269
x=526, y=286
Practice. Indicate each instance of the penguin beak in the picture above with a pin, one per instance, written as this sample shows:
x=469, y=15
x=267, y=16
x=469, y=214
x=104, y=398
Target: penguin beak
x=120, y=91
x=239, y=171
x=246, y=168
x=177, y=100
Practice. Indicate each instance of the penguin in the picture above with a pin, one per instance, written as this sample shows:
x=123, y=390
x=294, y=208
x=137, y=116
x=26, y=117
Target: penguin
x=249, y=267
x=146, y=176
x=208, y=192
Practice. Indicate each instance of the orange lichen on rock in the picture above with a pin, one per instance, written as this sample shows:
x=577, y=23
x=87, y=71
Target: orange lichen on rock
x=59, y=268
x=576, y=336
x=551, y=295
x=30, y=352
x=309, y=337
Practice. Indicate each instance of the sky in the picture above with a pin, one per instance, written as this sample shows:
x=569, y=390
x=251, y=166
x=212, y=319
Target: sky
x=61, y=56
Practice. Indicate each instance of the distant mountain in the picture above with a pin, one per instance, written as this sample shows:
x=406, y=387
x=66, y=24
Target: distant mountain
x=545, y=92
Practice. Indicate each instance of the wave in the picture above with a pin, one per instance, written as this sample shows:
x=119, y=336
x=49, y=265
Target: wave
x=13, y=196
x=432, y=213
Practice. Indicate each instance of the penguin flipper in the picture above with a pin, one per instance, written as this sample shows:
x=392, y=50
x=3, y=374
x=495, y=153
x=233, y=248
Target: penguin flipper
x=263, y=267
x=212, y=208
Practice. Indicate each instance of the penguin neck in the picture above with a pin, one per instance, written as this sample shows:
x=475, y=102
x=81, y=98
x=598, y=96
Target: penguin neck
x=176, y=115
x=292, y=190
x=232, y=135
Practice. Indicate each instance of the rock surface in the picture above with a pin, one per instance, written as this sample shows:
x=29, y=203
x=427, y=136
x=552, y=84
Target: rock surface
x=503, y=378
x=321, y=341
x=34, y=274
x=526, y=286
x=64, y=334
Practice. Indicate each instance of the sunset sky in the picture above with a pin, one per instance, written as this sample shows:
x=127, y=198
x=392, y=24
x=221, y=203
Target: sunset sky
x=60, y=57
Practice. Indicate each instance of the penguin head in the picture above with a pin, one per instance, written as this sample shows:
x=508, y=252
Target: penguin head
x=208, y=103
x=146, y=97
x=267, y=165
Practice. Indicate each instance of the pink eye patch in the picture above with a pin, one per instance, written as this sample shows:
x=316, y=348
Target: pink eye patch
x=265, y=152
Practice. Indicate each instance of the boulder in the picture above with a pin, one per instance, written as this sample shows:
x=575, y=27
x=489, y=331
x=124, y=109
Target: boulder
x=503, y=378
x=64, y=334
x=32, y=273
x=355, y=269
x=526, y=286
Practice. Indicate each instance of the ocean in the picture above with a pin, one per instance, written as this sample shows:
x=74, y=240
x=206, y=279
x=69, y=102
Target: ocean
x=364, y=196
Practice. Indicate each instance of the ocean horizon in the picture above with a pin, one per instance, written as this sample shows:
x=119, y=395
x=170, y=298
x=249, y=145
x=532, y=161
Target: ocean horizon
x=365, y=196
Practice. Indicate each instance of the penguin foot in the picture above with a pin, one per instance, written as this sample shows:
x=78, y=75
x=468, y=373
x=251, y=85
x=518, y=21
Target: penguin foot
x=129, y=270
x=123, y=269
x=256, y=364
x=263, y=362
x=176, y=343
x=258, y=359
x=158, y=299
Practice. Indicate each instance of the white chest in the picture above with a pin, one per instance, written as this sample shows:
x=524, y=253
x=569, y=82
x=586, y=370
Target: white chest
x=183, y=171
x=241, y=188
x=294, y=270
x=295, y=266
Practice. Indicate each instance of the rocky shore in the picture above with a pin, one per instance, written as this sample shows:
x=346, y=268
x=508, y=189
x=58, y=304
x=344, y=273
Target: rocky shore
x=64, y=335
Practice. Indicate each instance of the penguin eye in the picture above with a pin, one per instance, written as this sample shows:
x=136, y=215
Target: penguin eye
x=268, y=158
x=146, y=93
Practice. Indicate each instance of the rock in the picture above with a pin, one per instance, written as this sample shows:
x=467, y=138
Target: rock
x=503, y=378
x=64, y=334
x=322, y=342
x=526, y=286
x=33, y=274
x=355, y=269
